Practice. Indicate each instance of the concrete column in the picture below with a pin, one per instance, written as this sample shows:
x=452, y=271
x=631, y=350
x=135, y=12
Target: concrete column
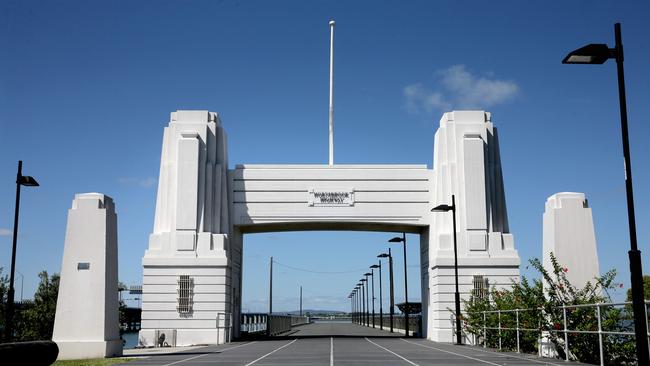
x=569, y=235
x=86, y=323
x=467, y=163
x=190, y=238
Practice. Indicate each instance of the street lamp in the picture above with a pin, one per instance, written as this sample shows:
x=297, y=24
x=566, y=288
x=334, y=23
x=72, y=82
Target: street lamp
x=452, y=208
x=27, y=181
x=363, y=300
x=381, y=306
x=367, y=299
x=372, y=276
x=599, y=54
x=357, y=304
x=391, y=288
x=397, y=239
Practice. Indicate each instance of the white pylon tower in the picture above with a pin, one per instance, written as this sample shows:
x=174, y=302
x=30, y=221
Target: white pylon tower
x=331, y=119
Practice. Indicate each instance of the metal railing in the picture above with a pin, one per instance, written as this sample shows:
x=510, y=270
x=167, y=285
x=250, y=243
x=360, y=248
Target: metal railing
x=503, y=325
x=399, y=322
x=271, y=325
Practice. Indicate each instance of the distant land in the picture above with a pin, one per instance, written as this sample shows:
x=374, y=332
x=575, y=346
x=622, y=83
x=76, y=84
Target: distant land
x=311, y=311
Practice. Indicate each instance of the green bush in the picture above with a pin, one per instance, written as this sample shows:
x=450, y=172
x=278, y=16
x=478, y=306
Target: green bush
x=542, y=308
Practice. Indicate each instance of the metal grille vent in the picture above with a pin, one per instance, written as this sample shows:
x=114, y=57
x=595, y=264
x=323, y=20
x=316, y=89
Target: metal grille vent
x=480, y=290
x=185, y=291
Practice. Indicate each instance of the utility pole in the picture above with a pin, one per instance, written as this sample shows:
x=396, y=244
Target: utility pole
x=268, y=319
x=300, y=300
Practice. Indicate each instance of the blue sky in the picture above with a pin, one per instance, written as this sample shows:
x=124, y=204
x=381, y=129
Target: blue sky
x=87, y=87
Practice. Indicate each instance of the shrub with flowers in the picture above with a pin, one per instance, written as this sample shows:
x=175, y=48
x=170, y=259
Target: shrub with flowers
x=538, y=307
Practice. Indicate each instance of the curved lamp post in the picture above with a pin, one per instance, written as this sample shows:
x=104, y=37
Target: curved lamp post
x=397, y=239
x=364, y=299
x=372, y=277
x=598, y=53
x=452, y=208
x=391, y=291
x=27, y=181
x=381, y=306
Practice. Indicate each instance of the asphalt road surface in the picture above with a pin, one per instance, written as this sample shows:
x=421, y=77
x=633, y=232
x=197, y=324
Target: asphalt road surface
x=345, y=346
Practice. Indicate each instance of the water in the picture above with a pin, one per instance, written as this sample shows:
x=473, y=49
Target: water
x=130, y=339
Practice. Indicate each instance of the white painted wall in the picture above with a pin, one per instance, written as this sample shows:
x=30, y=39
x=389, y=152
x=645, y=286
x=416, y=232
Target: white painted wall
x=86, y=322
x=569, y=235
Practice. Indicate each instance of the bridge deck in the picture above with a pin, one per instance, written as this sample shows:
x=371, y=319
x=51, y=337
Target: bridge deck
x=341, y=348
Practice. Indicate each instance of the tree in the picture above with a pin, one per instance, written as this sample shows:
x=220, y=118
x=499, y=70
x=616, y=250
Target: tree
x=646, y=289
x=4, y=289
x=37, y=321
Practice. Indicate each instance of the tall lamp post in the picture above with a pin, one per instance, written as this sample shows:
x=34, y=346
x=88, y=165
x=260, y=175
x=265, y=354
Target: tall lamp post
x=381, y=306
x=372, y=277
x=397, y=239
x=599, y=54
x=356, y=304
x=363, y=301
x=391, y=288
x=367, y=298
x=452, y=208
x=27, y=181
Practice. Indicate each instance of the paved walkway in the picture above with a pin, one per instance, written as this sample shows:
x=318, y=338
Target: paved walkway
x=313, y=347
x=339, y=329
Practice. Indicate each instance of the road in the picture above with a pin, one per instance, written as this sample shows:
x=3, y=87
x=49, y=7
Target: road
x=312, y=348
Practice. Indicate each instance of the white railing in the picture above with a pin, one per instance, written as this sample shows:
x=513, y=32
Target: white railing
x=272, y=325
x=563, y=329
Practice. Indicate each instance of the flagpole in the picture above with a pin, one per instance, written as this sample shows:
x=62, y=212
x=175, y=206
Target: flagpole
x=331, y=110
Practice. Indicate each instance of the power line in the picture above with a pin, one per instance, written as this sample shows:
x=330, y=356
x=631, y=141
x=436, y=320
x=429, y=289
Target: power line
x=319, y=272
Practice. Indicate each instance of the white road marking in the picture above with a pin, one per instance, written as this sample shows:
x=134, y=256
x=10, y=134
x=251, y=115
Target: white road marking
x=453, y=353
x=205, y=354
x=272, y=352
x=522, y=358
x=331, y=351
x=386, y=349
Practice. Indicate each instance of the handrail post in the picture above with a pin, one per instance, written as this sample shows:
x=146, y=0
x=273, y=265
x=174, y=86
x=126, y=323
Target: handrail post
x=566, y=335
x=517, y=316
x=499, y=313
x=484, y=330
x=645, y=307
x=600, y=336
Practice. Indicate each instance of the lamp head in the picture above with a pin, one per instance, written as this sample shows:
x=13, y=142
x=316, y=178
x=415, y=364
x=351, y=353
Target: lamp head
x=442, y=208
x=367, y=274
x=374, y=266
x=383, y=255
x=396, y=239
x=594, y=54
x=27, y=181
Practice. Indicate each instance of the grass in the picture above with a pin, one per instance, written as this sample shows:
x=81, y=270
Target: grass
x=92, y=362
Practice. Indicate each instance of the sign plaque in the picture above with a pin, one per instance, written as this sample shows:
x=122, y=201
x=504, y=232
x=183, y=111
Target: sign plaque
x=331, y=198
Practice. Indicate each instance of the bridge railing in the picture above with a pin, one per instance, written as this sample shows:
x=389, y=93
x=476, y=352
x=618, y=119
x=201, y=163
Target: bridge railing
x=498, y=326
x=260, y=323
x=399, y=322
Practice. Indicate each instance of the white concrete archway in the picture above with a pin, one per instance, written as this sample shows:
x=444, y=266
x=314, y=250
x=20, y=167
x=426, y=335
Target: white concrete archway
x=203, y=209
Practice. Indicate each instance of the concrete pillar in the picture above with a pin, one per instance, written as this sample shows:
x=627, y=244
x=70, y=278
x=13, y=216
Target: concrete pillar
x=467, y=164
x=86, y=322
x=187, y=269
x=569, y=235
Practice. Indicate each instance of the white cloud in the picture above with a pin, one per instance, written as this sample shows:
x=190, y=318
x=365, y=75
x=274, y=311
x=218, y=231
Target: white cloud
x=141, y=182
x=5, y=232
x=458, y=88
